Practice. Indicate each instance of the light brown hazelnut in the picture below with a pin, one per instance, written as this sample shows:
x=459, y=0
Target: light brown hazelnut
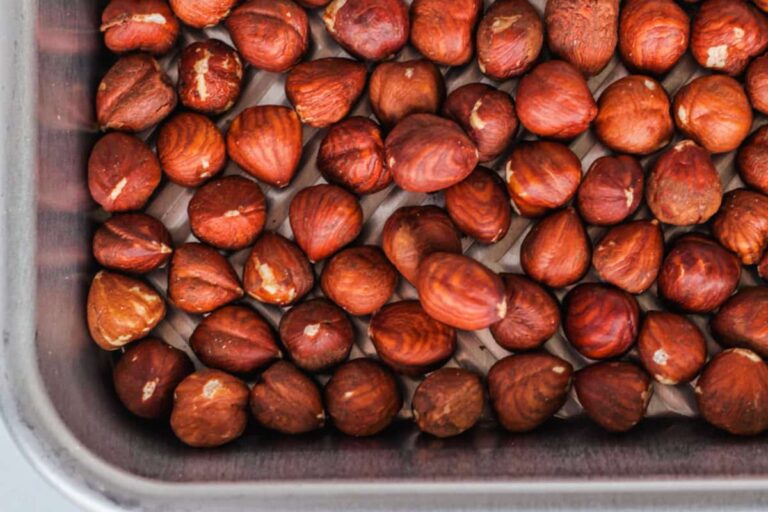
x=611, y=191
x=210, y=76
x=277, y=272
x=509, y=39
x=653, y=35
x=479, y=206
x=752, y=160
x=201, y=280
x=448, y=402
x=741, y=225
x=368, y=30
x=442, y=30
x=532, y=318
x=202, y=13
x=147, y=26
x=399, y=89
x=191, y=149
x=132, y=242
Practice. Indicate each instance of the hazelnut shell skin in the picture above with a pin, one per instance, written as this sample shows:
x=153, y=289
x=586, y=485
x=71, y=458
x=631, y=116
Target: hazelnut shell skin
x=277, y=272
x=479, y=206
x=509, y=39
x=741, y=321
x=368, y=30
x=132, y=242
x=190, y=149
x=756, y=83
x=133, y=26
x=752, y=161
x=442, y=30
x=653, y=35
x=672, y=349
x=216, y=87
x=448, y=402
x=741, y=226
x=611, y=191
x=202, y=13
x=398, y=89
x=629, y=255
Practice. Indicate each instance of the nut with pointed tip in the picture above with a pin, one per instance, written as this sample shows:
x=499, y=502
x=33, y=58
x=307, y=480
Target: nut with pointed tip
x=399, y=89
x=653, y=35
x=756, y=83
x=148, y=26
x=479, y=206
x=752, y=161
x=201, y=280
x=210, y=76
x=442, y=30
x=741, y=225
x=277, y=272
x=672, y=349
x=368, y=29
x=629, y=255
x=191, y=149
x=359, y=279
x=448, y=402
x=132, y=242
x=611, y=191
x=202, y=13
x=742, y=320
x=509, y=39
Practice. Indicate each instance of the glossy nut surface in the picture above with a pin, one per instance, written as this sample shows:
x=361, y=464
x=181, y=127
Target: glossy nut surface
x=448, y=402
x=132, y=242
x=741, y=226
x=210, y=76
x=479, y=206
x=672, y=349
x=359, y=279
x=741, y=321
x=509, y=39
x=629, y=255
x=277, y=272
x=201, y=280
x=191, y=149
x=148, y=26
x=398, y=89
x=202, y=13
x=752, y=161
x=756, y=83
x=653, y=35
x=442, y=30
x=611, y=191
x=368, y=29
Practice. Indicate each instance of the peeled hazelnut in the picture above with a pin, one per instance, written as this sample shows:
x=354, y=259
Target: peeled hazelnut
x=528, y=389
x=752, y=160
x=426, y=153
x=121, y=310
x=370, y=30
x=270, y=34
x=653, y=35
x=132, y=242
x=317, y=334
x=614, y=395
x=741, y=225
x=201, y=280
x=633, y=116
x=756, y=83
x=323, y=91
x=362, y=397
x=147, y=26
x=134, y=95
x=671, y=347
x=210, y=76
x=286, y=400
x=611, y=191
x=442, y=29
x=410, y=341
x=277, y=272
x=191, y=149
x=509, y=39
x=399, y=89
x=202, y=13
x=448, y=402
x=629, y=255
x=479, y=206
x=209, y=409
x=266, y=141
x=741, y=321
x=359, y=279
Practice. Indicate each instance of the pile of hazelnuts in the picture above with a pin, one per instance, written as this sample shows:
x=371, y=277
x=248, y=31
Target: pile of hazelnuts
x=426, y=142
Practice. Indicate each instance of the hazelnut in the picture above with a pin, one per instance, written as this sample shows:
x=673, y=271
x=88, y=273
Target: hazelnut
x=614, y=395
x=629, y=255
x=201, y=280
x=121, y=309
x=653, y=35
x=323, y=91
x=132, y=242
x=277, y=272
x=368, y=29
x=671, y=347
x=266, y=141
x=146, y=375
x=633, y=116
x=317, y=334
x=741, y=321
x=698, y=275
x=715, y=112
x=486, y=114
x=556, y=251
x=442, y=30
x=426, y=153
x=410, y=341
x=202, y=13
x=479, y=206
x=741, y=225
x=756, y=83
x=448, y=402
x=532, y=318
x=528, y=389
x=147, y=26
x=191, y=149
x=732, y=392
x=134, y=95
x=762, y=267
x=541, y=175
x=362, y=397
x=359, y=279
x=122, y=172
x=287, y=401
x=399, y=89
x=509, y=39
x=210, y=76
x=270, y=34
x=752, y=161
x=209, y=409
x=611, y=191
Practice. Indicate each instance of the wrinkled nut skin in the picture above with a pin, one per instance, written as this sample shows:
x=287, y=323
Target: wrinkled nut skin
x=741, y=322
x=426, y=153
x=408, y=340
x=752, y=161
x=210, y=76
x=209, y=409
x=148, y=26
x=368, y=30
x=732, y=392
x=611, y=191
x=448, y=402
x=191, y=149
x=202, y=13
x=629, y=256
x=532, y=318
x=317, y=334
x=132, y=242
x=201, y=280
x=360, y=279
x=672, y=349
x=528, y=389
x=134, y=95
x=323, y=91
x=277, y=272
x=756, y=83
x=362, y=397
x=442, y=30
x=741, y=225
x=287, y=400
x=479, y=206
x=509, y=39
x=121, y=309
x=266, y=141
x=399, y=89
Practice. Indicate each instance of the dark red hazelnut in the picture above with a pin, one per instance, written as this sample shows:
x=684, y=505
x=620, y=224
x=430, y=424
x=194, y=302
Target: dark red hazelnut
x=629, y=255
x=509, y=39
x=614, y=395
x=742, y=224
x=201, y=280
x=368, y=30
x=132, y=242
x=671, y=347
x=210, y=76
x=202, y=13
x=398, y=89
x=442, y=30
x=741, y=321
x=359, y=279
x=611, y=191
x=756, y=83
x=191, y=149
x=653, y=35
x=752, y=161
x=147, y=26
x=448, y=402
x=479, y=206
x=277, y=272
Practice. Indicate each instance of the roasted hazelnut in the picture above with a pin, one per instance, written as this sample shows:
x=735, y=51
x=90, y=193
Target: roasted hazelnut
x=556, y=251
x=611, y=191
x=202, y=13
x=209, y=409
x=359, y=279
x=629, y=255
x=448, y=402
x=698, y=275
x=134, y=95
x=370, y=30
x=191, y=149
x=479, y=206
x=210, y=76
x=671, y=347
x=277, y=272
x=442, y=30
x=121, y=309
x=528, y=389
x=741, y=321
x=270, y=34
x=756, y=83
x=323, y=91
x=266, y=141
x=146, y=375
x=509, y=39
x=132, y=242
x=147, y=26
x=486, y=114
x=752, y=160
x=317, y=334
x=409, y=340
x=633, y=116
x=362, y=397
x=426, y=153
x=741, y=225
x=653, y=35
x=399, y=89
x=201, y=280
x=286, y=400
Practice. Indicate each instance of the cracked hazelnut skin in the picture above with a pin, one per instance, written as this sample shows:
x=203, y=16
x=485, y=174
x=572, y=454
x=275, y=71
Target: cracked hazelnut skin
x=317, y=334
x=448, y=402
x=672, y=349
x=277, y=272
x=756, y=83
x=410, y=341
x=528, y=389
x=509, y=39
x=191, y=149
x=202, y=13
x=398, y=89
x=629, y=255
x=132, y=242
x=442, y=30
x=148, y=26
x=479, y=206
x=210, y=76
x=369, y=30
x=752, y=161
x=201, y=280
x=741, y=321
x=146, y=375
x=209, y=409
x=741, y=226
x=611, y=191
